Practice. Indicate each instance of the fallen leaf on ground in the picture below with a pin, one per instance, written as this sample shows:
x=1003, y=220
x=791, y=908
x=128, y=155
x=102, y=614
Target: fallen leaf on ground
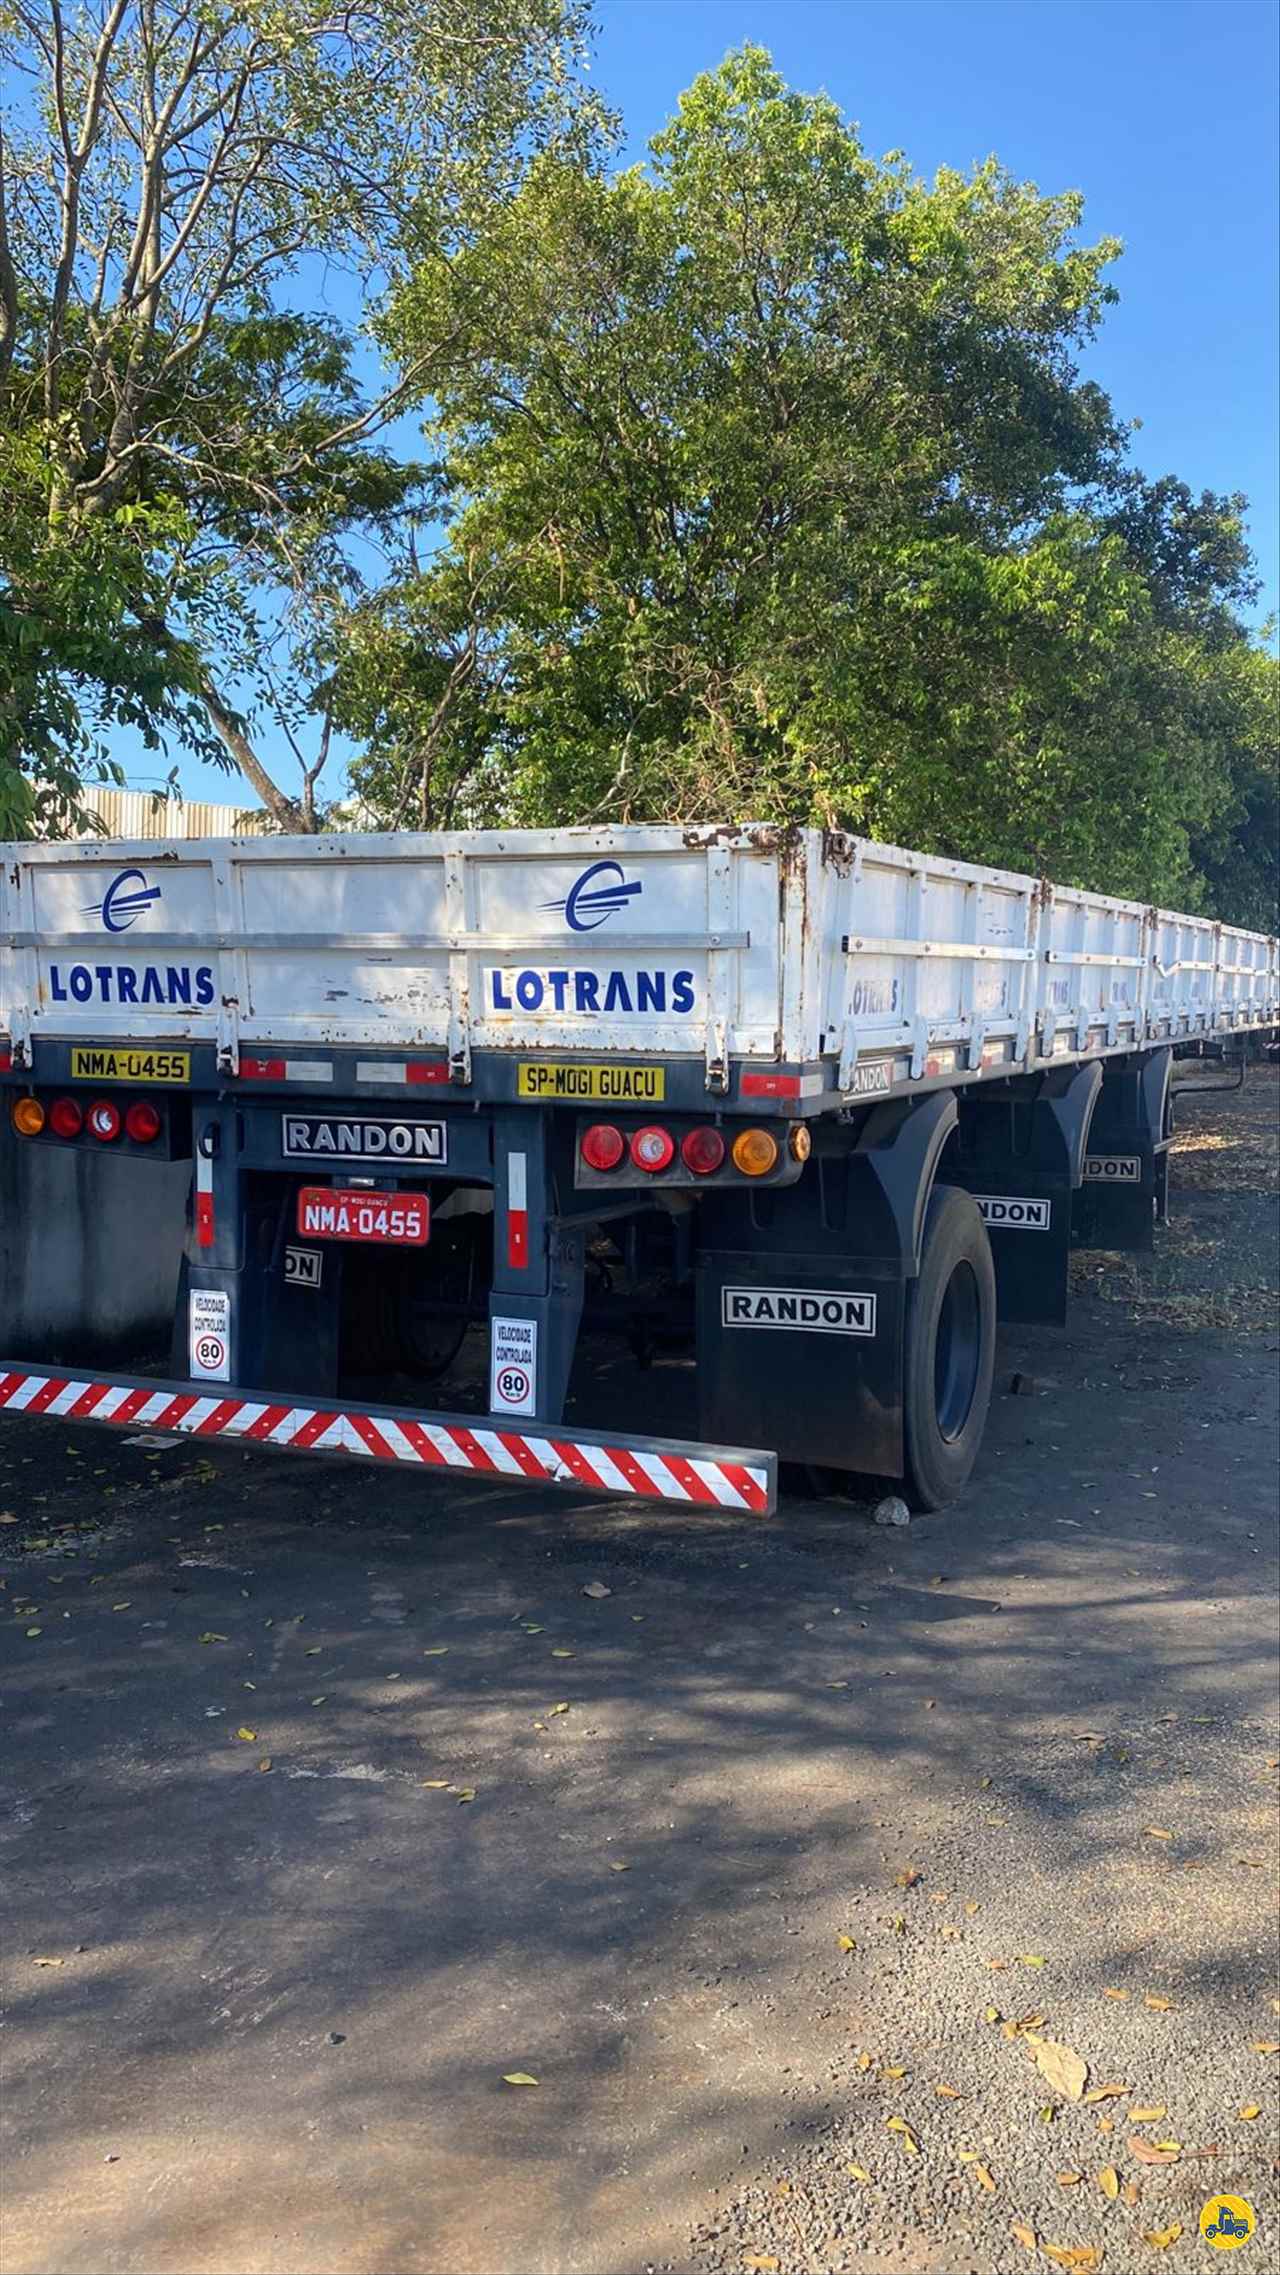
x=991, y=2014
x=1112, y=1993
x=466, y=1793
x=49, y=1962
x=1157, y=1833
x=1265, y=2045
x=1109, y=2182
x=948, y=2093
x=562, y=1708
x=1081, y=2255
x=1161, y=2238
x=1060, y=2066
x=985, y=2178
x=1068, y=2179
x=562, y=1654
x=1151, y=2152
x=597, y=1591
x=1250, y=2110
x=436, y=1651
x=1149, y=2116
x=436, y=1784
x=1105, y=2093
x=1157, y=2004
x=265, y=1763
x=908, y=1876
x=1131, y=2193
x=909, y=2140
x=246, y=1733
x=518, y=2077
x=846, y=1943
x=1025, y=2236
x=857, y=2172
x=1030, y=1959
x=865, y=2061
x=618, y=1866
x=762, y=2261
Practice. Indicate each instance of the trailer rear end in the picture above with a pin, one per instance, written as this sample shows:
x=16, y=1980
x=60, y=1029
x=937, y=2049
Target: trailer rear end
x=816, y=1108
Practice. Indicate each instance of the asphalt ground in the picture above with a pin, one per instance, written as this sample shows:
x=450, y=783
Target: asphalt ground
x=331, y=1802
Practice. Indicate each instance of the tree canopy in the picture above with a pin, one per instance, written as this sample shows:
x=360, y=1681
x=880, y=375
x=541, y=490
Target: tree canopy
x=761, y=480
x=772, y=487
x=188, y=461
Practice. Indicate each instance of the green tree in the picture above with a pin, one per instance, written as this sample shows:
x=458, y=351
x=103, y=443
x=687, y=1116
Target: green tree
x=189, y=467
x=771, y=487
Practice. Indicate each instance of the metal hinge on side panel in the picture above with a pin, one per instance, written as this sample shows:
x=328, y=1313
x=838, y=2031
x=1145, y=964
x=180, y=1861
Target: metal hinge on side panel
x=721, y=967
x=455, y=917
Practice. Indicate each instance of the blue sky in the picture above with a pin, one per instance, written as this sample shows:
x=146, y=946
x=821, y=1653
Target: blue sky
x=1163, y=112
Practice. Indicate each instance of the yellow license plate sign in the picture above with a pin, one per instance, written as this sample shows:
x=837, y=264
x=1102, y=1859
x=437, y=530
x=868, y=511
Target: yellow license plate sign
x=587, y=1082
x=130, y=1066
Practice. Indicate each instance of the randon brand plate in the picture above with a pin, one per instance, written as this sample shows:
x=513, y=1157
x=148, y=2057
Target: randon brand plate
x=304, y=1267
x=360, y=1138
x=592, y=1083
x=130, y=1066
x=871, y=1079
x=331, y=1212
x=1007, y=1213
x=1112, y=1169
x=820, y=1311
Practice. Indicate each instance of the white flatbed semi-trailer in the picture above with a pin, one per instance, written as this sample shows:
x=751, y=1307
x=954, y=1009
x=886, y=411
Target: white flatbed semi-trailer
x=822, y=1101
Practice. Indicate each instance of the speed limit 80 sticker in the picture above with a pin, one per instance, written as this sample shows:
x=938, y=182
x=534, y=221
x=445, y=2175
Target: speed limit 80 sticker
x=513, y=1365
x=209, y=1334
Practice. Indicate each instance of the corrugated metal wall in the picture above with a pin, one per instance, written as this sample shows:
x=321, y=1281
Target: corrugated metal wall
x=136, y=813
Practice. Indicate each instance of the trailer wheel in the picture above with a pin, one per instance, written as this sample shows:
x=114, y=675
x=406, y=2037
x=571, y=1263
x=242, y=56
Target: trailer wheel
x=950, y=1350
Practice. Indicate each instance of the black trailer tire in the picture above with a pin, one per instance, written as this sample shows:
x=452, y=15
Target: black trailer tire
x=950, y=1350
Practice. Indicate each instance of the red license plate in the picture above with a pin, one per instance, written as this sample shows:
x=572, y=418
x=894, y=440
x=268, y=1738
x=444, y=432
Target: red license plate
x=332, y=1212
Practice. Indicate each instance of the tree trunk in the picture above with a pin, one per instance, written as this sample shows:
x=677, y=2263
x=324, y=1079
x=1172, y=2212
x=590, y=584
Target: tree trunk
x=287, y=813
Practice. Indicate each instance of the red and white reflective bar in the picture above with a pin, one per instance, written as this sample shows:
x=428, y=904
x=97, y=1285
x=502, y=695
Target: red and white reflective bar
x=412, y=1073
x=652, y=1469
x=517, y=1212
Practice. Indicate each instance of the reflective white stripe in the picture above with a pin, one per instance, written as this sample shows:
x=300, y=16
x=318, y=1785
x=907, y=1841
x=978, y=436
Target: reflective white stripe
x=517, y=1180
x=243, y=1419
x=154, y=1406
x=711, y=1474
x=381, y=1070
x=204, y=1171
x=307, y=1070
x=194, y=1415
x=665, y=1479
x=115, y=1397
x=25, y=1392
x=545, y=1453
x=289, y=1425
x=447, y=1444
x=498, y=1453
x=395, y=1438
x=65, y=1399
x=606, y=1470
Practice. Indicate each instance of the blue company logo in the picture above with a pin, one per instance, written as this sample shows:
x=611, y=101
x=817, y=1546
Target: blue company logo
x=585, y=906
x=120, y=908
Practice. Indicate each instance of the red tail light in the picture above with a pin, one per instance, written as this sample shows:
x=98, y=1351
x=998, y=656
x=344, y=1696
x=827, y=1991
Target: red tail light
x=702, y=1151
x=65, y=1117
x=142, y=1122
x=653, y=1148
x=104, y=1120
x=602, y=1146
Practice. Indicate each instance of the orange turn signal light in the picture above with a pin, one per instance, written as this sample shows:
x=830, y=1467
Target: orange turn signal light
x=755, y=1152
x=799, y=1141
x=28, y=1117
